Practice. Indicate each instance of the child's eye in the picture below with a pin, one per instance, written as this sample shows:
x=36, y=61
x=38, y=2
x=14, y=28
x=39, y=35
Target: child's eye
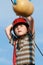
x=16, y=26
x=21, y=25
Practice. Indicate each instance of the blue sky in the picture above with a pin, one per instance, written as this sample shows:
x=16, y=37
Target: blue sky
x=7, y=16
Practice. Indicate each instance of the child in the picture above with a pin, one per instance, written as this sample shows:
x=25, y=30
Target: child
x=24, y=43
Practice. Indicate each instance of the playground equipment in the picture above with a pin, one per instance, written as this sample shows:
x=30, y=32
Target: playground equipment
x=22, y=7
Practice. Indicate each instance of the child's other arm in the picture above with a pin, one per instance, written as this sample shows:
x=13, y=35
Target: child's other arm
x=31, y=20
x=8, y=31
x=10, y=36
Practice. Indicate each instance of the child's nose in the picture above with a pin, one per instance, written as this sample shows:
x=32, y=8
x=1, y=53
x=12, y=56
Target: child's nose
x=18, y=27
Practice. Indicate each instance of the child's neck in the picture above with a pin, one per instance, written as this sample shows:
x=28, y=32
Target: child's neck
x=22, y=36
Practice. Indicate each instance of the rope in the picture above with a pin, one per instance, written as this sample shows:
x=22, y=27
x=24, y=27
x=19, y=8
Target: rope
x=35, y=44
x=39, y=49
x=13, y=2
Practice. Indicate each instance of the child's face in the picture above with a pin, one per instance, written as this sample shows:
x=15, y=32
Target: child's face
x=20, y=30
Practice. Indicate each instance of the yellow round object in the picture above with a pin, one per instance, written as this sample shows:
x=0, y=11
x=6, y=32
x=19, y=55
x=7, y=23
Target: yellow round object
x=23, y=8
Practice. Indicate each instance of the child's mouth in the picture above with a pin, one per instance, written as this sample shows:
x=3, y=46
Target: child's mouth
x=19, y=31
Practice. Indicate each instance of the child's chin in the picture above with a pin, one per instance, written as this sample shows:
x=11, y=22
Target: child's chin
x=21, y=34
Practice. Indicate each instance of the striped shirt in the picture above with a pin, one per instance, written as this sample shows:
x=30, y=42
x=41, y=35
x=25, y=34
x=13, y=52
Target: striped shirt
x=26, y=52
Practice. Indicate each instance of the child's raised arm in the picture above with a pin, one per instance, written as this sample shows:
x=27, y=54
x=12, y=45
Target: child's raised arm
x=10, y=36
x=31, y=20
x=8, y=31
